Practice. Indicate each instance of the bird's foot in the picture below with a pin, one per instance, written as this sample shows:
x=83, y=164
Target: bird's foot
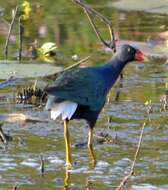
x=68, y=165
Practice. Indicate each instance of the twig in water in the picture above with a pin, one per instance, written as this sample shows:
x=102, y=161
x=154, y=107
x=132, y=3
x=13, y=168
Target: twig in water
x=15, y=186
x=3, y=136
x=41, y=165
x=126, y=178
x=149, y=108
x=118, y=90
x=9, y=33
x=89, y=185
x=164, y=102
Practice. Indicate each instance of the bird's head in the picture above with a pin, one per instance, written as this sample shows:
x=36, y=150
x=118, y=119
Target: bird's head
x=129, y=53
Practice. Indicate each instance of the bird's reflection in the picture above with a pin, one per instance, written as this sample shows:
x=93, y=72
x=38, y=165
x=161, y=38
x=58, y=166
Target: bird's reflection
x=67, y=178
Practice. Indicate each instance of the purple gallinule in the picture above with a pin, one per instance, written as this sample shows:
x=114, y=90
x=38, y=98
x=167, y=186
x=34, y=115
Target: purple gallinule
x=80, y=93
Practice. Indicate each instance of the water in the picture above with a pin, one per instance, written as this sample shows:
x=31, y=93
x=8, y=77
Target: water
x=121, y=120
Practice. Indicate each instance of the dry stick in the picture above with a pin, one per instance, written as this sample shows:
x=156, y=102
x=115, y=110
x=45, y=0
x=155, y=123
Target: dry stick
x=21, y=30
x=118, y=90
x=126, y=178
x=103, y=18
x=15, y=187
x=41, y=164
x=112, y=36
x=110, y=45
x=90, y=10
x=78, y=63
x=9, y=33
x=2, y=135
x=96, y=29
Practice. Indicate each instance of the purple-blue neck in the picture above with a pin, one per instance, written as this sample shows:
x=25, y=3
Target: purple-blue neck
x=111, y=70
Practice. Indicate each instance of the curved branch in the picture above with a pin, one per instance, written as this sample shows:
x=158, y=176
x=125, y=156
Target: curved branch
x=126, y=178
x=88, y=10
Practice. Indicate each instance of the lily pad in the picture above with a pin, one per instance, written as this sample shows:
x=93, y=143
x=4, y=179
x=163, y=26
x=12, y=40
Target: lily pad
x=155, y=6
x=28, y=70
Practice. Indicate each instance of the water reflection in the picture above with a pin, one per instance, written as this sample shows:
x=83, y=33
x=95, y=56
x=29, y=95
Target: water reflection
x=66, y=179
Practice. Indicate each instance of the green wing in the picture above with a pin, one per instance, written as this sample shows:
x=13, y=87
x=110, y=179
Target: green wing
x=82, y=85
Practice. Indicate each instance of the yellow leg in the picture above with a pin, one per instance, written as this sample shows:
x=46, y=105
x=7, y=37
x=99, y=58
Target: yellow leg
x=90, y=146
x=67, y=143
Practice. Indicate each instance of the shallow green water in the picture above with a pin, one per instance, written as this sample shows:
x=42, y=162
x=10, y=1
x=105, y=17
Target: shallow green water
x=20, y=160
